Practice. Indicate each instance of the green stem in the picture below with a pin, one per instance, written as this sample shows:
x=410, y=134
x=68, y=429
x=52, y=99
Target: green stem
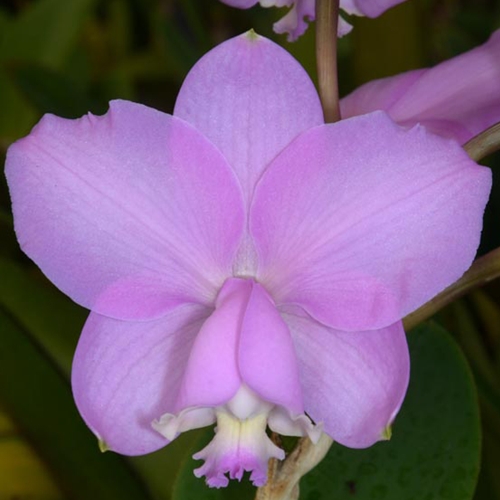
x=327, y=15
x=484, y=270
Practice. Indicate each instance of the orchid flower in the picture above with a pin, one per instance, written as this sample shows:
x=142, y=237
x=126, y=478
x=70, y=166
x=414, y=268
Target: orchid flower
x=295, y=22
x=458, y=98
x=244, y=263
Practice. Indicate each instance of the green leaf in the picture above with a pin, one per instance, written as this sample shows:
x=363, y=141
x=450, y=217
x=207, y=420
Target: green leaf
x=36, y=396
x=188, y=487
x=470, y=337
x=45, y=32
x=435, y=447
x=50, y=319
x=488, y=487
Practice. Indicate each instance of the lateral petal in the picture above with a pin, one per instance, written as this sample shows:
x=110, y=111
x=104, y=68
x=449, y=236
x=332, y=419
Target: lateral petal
x=361, y=222
x=130, y=213
x=128, y=373
x=353, y=382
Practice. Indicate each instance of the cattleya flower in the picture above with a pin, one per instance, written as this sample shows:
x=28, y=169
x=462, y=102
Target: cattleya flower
x=244, y=263
x=295, y=24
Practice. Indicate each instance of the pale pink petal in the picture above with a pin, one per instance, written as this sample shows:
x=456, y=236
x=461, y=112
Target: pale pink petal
x=360, y=222
x=381, y=94
x=458, y=98
x=130, y=213
x=370, y=8
x=212, y=376
x=241, y=4
x=353, y=382
x=250, y=98
x=343, y=27
x=295, y=21
x=126, y=374
x=267, y=359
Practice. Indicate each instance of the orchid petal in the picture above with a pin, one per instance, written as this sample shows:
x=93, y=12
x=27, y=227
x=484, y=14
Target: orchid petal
x=250, y=98
x=294, y=22
x=212, y=377
x=127, y=373
x=343, y=27
x=370, y=8
x=390, y=224
x=267, y=359
x=237, y=344
x=241, y=4
x=130, y=214
x=381, y=94
x=353, y=382
x=458, y=98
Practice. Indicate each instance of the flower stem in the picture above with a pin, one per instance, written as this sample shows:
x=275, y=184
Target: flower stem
x=284, y=477
x=327, y=15
x=484, y=270
x=484, y=144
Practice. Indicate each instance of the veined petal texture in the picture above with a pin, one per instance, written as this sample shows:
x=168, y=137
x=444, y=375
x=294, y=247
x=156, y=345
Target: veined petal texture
x=353, y=382
x=130, y=213
x=360, y=222
x=128, y=373
x=250, y=98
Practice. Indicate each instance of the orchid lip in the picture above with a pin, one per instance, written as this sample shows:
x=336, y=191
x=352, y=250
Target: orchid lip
x=241, y=443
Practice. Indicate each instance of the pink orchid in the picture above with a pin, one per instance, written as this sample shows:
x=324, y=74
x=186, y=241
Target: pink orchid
x=245, y=264
x=458, y=98
x=295, y=22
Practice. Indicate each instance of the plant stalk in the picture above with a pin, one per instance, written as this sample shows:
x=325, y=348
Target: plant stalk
x=327, y=15
x=484, y=144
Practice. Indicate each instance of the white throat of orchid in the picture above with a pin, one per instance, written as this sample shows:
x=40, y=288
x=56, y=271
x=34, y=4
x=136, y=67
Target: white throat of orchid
x=240, y=443
x=242, y=374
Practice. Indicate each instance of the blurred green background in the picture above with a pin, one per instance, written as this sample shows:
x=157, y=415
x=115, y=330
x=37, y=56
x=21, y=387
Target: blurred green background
x=69, y=57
